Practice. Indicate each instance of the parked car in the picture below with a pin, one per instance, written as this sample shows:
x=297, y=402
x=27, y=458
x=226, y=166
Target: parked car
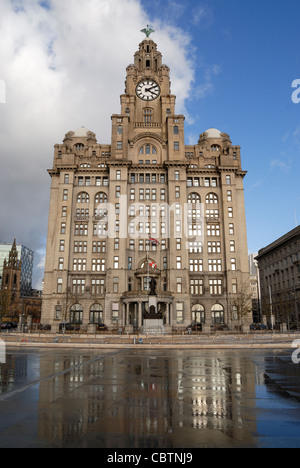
x=194, y=327
x=66, y=326
x=258, y=326
x=44, y=327
x=8, y=325
x=102, y=327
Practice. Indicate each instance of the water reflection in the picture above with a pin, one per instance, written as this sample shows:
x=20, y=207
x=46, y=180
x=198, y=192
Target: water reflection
x=144, y=399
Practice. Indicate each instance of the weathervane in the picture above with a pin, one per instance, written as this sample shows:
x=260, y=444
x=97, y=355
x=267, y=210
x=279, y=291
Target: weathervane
x=147, y=31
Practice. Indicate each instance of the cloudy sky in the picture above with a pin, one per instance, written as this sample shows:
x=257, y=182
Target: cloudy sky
x=63, y=65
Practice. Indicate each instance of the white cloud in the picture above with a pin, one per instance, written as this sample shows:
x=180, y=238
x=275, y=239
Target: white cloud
x=281, y=165
x=64, y=63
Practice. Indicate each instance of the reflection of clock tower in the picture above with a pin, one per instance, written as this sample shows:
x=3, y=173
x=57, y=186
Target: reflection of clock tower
x=197, y=259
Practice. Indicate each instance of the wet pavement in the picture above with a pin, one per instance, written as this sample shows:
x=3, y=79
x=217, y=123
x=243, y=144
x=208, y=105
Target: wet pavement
x=149, y=398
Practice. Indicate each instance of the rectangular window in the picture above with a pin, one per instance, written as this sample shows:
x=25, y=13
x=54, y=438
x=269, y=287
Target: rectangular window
x=215, y=287
x=196, y=286
x=64, y=211
x=213, y=230
x=62, y=246
x=234, y=286
x=228, y=180
x=59, y=285
x=98, y=286
x=65, y=194
x=61, y=264
x=116, y=285
x=116, y=263
x=63, y=228
x=178, y=263
x=179, y=313
x=115, y=312
x=230, y=212
x=98, y=264
x=214, y=265
x=196, y=264
x=214, y=247
x=231, y=229
x=66, y=179
x=195, y=247
x=179, y=285
x=58, y=314
x=233, y=264
x=78, y=286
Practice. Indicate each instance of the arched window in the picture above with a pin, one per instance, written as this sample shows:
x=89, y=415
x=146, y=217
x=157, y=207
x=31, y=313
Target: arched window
x=101, y=197
x=175, y=130
x=148, y=149
x=198, y=313
x=194, y=198
x=211, y=198
x=76, y=314
x=96, y=314
x=215, y=148
x=79, y=147
x=83, y=197
x=120, y=130
x=217, y=314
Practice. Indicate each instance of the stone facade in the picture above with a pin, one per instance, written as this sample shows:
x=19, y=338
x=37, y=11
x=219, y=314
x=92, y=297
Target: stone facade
x=279, y=273
x=108, y=201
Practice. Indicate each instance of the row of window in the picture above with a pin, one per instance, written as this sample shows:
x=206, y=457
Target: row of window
x=146, y=178
x=145, y=245
x=96, y=313
x=195, y=264
x=194, y=229
x=98, y=286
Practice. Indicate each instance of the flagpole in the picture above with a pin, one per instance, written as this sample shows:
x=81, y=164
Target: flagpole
x=148, y=272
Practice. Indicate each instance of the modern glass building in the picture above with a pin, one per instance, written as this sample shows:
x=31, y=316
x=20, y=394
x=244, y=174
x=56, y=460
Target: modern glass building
x=26, y=256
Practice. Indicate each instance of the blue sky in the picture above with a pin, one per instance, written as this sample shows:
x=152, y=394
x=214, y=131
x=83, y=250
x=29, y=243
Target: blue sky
x=232, y=66
x=248, y=56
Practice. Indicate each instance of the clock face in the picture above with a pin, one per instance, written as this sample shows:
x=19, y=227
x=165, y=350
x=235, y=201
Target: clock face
x=148, y=90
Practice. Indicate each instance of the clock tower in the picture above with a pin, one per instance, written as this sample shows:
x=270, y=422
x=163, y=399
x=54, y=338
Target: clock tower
x=177, y=245
x=148, y=107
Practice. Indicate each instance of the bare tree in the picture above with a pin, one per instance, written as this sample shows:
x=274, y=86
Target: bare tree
x=240, y=304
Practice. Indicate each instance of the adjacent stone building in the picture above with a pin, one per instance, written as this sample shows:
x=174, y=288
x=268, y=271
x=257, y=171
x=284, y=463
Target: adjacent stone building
x=18, y=303
x=279, y=272
x=145, y=207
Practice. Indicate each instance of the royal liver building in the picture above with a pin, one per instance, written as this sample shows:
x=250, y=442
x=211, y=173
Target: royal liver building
x=145, y=229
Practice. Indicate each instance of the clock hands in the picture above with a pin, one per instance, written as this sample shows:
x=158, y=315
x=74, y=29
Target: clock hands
x=152, y=92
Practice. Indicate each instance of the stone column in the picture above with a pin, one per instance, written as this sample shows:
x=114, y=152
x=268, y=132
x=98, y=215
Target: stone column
x=139, y=314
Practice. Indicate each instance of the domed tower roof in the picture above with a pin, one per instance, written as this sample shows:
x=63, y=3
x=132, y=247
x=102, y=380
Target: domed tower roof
x=81, y=132
x=213, y=133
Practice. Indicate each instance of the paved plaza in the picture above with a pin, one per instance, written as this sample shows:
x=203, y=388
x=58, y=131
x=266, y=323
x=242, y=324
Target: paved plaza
x=149, y=398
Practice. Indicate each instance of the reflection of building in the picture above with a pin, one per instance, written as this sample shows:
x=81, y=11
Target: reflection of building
x=149, y=399
x=188, y=199
x=15, y=302
x=26, y=257
x=279, y=269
